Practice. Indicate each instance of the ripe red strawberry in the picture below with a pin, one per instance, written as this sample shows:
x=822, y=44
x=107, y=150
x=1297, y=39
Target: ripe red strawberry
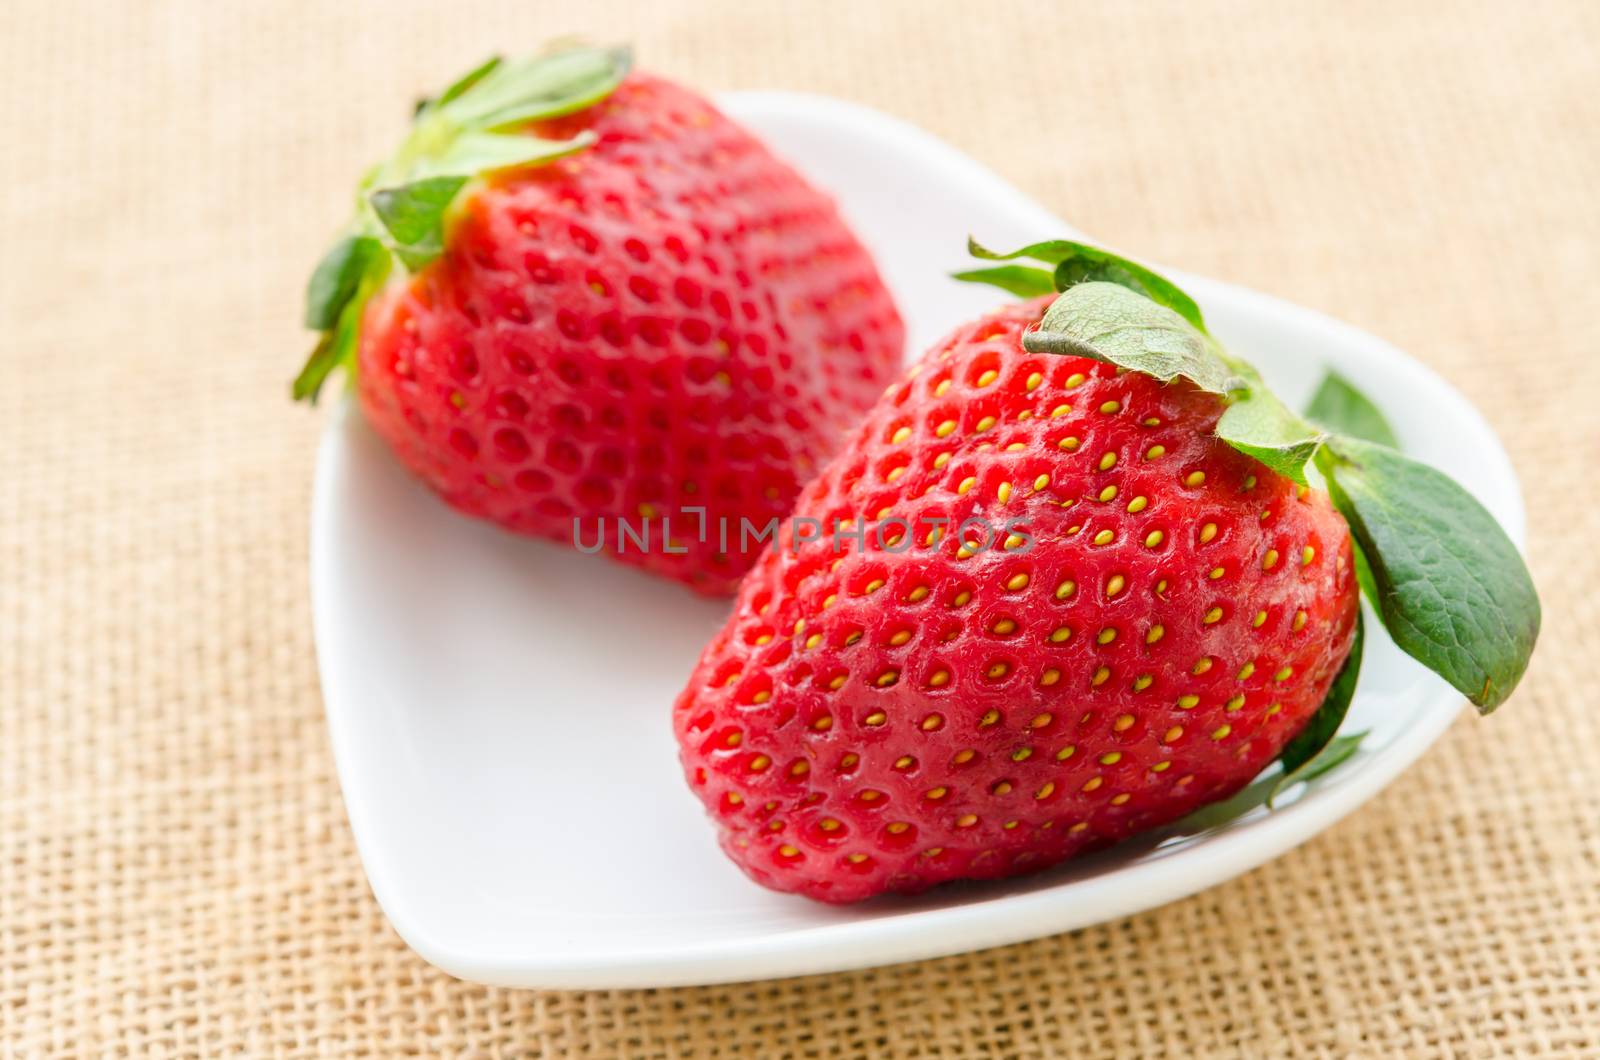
x=1137, y=601
x=889, y=717
x=647, y=312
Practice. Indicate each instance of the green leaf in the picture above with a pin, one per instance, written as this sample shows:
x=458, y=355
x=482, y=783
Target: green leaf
x=1024, y=281
x=1452, y=589
x=413, y=215
x=335, y=349
x=426, y=105
x=1310, y=741
x=335, y=280
x=473, y=153
x=468, y=79
x=1092, y=264
x=1339, y=406
x=1050, y=251
x=325, y=357
x=538, y=87
x=1077, y=263
x=1259, y=425
x=336, y=346
x=1338, y=751
x=1369, y=586
x=1110, y=322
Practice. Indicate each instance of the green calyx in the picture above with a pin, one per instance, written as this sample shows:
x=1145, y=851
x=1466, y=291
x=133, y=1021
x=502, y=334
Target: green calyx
x=1074, y=263
x=471, y=129
x=1316, y=749
x=1448, y=585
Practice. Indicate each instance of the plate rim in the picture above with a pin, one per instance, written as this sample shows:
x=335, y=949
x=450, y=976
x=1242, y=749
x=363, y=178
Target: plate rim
x=894, y=937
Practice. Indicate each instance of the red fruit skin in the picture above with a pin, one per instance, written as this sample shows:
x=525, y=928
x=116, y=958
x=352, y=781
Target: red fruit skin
x=670, y=319
x=838, y=763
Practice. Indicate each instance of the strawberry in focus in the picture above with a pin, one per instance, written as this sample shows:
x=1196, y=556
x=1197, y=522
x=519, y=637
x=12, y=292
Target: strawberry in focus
x=1135, y=624
x=645, y=316
x=1073, y=579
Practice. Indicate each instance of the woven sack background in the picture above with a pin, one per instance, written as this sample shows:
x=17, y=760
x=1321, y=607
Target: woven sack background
x=176, y=873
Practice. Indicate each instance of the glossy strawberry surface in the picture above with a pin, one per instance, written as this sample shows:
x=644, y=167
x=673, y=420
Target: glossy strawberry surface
x=668, y=325
x=1153, y=617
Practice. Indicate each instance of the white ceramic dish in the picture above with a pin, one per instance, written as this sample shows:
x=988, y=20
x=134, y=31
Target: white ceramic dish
x=499, y=707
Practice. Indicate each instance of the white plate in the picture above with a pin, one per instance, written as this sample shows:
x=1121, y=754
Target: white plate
x=500, y=707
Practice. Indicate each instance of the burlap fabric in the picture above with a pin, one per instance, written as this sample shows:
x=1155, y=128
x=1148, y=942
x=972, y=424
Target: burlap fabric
x=176, y=873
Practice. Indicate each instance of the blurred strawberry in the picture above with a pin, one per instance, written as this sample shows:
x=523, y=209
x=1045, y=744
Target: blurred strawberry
x=577, y=295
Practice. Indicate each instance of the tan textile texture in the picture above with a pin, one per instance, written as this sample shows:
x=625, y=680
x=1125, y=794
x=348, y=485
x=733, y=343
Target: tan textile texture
x=177, y=876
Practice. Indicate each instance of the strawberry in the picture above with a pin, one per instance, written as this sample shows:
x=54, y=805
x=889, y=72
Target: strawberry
x=578, y=296
x=1129, y=613
x=883, y=719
